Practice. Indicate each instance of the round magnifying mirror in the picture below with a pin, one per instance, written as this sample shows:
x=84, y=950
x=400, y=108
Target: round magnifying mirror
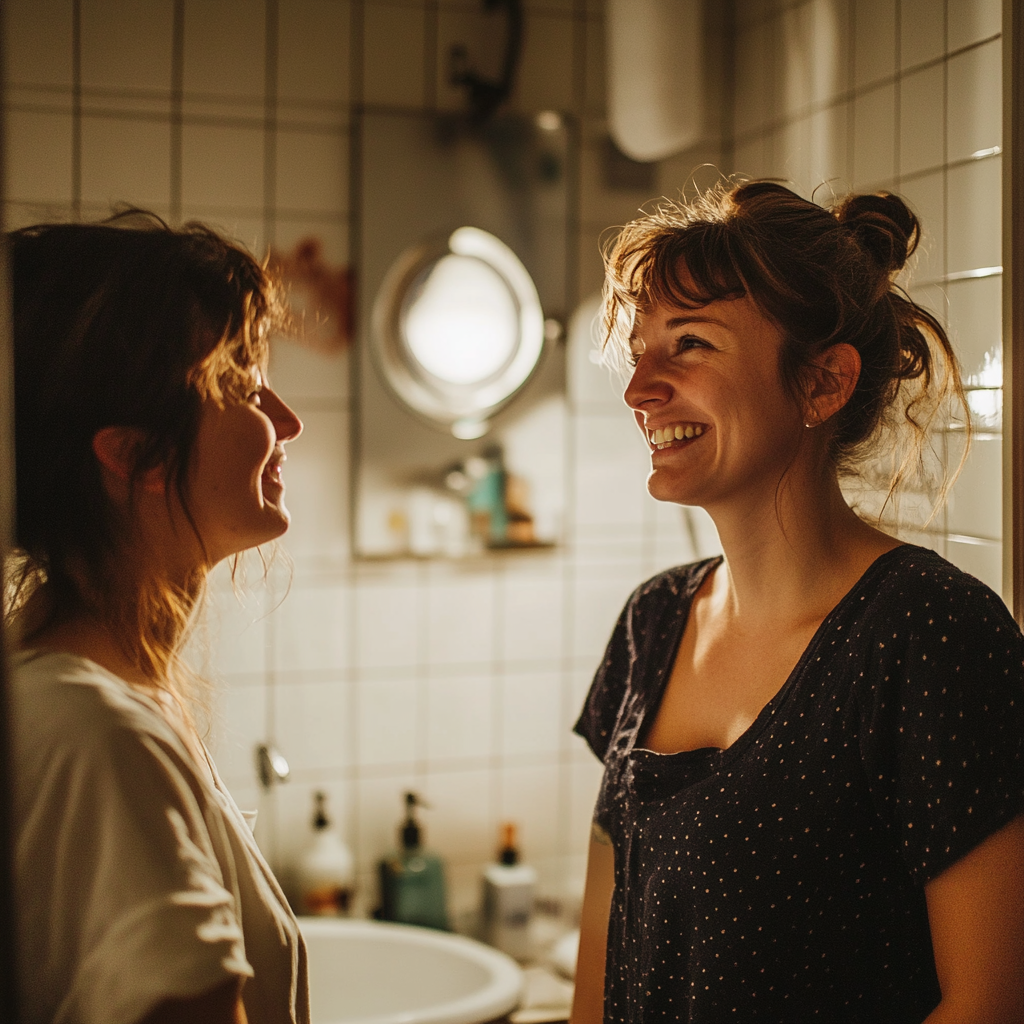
x=458, y=329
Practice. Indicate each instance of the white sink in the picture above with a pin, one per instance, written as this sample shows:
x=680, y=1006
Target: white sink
x=367, y=972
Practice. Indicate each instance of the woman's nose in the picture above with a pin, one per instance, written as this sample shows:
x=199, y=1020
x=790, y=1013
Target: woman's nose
x=287, y=425
x=646, y=385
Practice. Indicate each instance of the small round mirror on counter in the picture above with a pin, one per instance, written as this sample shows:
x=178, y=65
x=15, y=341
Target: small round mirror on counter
x=457, y=329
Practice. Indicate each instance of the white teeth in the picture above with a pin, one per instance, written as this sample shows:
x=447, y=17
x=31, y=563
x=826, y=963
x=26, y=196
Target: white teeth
x=665, y=435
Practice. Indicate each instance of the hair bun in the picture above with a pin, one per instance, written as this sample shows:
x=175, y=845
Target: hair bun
x=884, y=228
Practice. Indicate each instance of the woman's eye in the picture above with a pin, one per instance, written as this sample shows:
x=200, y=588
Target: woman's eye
x=689, y=341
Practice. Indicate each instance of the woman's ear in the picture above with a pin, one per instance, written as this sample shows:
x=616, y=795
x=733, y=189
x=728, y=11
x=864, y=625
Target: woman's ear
x=117, y=450
x=830, y=382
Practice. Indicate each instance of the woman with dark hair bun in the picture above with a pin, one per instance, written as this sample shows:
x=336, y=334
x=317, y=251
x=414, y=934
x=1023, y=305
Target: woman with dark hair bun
x=813, y=795
x=149, y=447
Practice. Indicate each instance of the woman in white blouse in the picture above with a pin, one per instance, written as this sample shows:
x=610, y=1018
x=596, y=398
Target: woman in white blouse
x=148, y=448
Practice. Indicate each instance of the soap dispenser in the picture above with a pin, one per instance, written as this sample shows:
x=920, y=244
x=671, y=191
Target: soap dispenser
x=508, y=898
x=412, y=879
x=325, y=871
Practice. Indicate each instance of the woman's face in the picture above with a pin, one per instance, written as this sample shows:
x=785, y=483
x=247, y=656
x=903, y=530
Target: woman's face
x=236, y=486
x=708, y=397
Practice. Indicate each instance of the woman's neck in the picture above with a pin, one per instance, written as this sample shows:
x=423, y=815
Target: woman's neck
x=793, y=555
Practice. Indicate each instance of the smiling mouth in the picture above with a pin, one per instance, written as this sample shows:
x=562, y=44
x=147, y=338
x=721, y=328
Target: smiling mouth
x=675, y=435
x=273, y=473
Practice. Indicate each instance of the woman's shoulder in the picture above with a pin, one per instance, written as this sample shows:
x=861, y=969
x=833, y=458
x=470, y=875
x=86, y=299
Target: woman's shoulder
x=920, y=585
x=59, y=699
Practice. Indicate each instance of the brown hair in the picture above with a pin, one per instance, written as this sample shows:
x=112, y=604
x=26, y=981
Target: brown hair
x=824, y=276
x=129, y=323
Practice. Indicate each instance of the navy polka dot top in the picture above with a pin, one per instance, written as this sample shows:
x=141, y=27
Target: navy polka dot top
x=782, y=879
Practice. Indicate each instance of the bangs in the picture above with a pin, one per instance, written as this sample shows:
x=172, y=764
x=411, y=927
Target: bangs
x=685, y=269
x=681, y=266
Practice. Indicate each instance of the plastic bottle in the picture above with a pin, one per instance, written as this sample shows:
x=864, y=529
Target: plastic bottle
x=508, y=898
x=325, y=871
x=412, y=882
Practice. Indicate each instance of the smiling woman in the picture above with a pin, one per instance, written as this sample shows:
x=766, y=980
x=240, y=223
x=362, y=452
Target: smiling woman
x=813, y=790
x=148, y=448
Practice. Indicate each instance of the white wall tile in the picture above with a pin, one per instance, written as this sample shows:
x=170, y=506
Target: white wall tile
x=388, y=716
x=981, y=558
x=38, y=157
x=460, y=620
x=316, y=479
x=830, y=68
x=126, y=161
x=601, y=204
x=311, y=629
x=530, y=713
x=827, y=156
x=313, y=51
x=460, y=717
x=460, y=824
x=594, y=85
x=236, y=625
x=380, y=809
x=544, y=80
x=393, y=38
x=972, y=20
x=298, y=372
x=37, y=41
x=922, y=31
x=127, y=45
x=753, y=103
x=800, y=57
x=874, y=53
x=974, y=215
x=975, y=502
x=595, y=610
x=873, y=126
x=240, y=723
x=224, y=47
x=313, y=725
x=222, y=166
x=975, y=101
x=530, y=798
x=976, y=322
x=611, y=469
x=749, y=158
x=922, y=125
x=387, y=627
x=927, y=198
x=793, y=156
x=312, y=171
x=532, y=614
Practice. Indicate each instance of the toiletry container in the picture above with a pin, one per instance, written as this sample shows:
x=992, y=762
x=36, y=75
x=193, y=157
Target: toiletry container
x=508, y=899
x=325, y=871
x=412, y=886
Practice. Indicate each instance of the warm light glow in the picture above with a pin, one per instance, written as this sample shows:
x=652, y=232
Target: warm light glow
x=461, y=324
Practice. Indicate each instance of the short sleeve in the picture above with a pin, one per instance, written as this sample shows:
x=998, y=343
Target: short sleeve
x=118, y=851
x=596, y=723
x=942, y=721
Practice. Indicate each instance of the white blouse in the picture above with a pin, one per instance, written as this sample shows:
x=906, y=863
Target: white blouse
x=136, y=877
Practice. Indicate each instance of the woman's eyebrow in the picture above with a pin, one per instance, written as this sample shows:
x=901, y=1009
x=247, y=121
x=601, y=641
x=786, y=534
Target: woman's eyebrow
x=682, y=321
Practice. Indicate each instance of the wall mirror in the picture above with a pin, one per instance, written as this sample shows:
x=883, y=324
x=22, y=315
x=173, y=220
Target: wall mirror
x=464, y=271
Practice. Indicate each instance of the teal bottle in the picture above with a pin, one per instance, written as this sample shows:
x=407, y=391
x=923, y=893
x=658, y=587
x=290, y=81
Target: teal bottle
x=412, y=883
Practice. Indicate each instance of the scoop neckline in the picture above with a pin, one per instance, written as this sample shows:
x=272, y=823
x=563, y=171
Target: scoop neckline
x=757, y=726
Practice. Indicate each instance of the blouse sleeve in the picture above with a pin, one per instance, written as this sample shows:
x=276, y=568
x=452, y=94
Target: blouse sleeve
x=119, y=853
x=942, y=722
x=596, y=723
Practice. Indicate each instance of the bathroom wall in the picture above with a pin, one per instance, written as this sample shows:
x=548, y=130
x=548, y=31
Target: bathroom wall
x=903, y=95
x=459, y=680
x=462, y=680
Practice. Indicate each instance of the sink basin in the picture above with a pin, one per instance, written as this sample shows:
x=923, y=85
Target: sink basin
x=368, y=972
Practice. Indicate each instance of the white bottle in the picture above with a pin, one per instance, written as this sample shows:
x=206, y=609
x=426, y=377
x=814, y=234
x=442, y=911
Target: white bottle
x=508, y=899
x=325, y=872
